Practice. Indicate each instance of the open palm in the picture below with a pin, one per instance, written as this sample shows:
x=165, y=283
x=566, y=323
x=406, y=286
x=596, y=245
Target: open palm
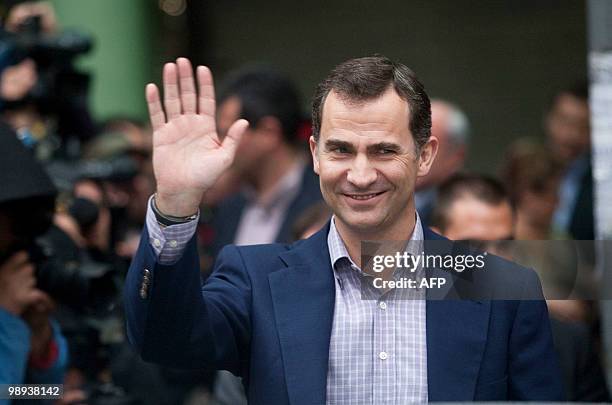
x=188, y=154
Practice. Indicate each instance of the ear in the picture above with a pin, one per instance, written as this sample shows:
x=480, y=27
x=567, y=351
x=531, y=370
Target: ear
x=427, y=156
x=314, y=152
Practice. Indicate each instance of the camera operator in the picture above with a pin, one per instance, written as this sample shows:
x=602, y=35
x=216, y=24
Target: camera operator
x=32, y=348
x=17, y=78
x=26, y=328
x=42, y=95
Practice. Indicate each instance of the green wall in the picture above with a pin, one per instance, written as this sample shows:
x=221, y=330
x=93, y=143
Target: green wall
x=120, y=61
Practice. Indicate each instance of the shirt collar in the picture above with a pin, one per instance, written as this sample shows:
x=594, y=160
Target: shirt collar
x=338, y=251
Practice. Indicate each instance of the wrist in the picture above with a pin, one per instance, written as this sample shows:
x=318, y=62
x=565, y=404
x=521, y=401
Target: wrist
x=168, y=220
x=45, y=359
x=177, y=205
x=41, y=337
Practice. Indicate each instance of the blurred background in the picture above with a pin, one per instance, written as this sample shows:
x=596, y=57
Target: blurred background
x=500, y=61
x=510, y=85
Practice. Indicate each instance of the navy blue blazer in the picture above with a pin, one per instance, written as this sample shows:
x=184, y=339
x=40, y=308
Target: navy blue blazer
x=266, y=314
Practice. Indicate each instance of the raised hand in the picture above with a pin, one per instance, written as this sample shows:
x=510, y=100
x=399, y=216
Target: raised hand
x=18, y=284
x=188, y=154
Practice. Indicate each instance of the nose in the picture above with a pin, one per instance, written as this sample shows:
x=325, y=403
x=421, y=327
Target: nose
x=362, y=174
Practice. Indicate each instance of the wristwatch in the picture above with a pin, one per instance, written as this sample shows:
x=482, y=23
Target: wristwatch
x=168, y=220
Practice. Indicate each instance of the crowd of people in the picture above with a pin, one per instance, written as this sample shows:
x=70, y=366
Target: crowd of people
x=75, y=192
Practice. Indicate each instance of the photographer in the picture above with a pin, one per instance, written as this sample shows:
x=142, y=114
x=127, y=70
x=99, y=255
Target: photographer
x=42, y=95
x=17, y=80
x=32, y=348
x=25, y=326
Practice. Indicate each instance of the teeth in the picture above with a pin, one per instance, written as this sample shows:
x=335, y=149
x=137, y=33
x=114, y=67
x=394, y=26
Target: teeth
x=363, y=197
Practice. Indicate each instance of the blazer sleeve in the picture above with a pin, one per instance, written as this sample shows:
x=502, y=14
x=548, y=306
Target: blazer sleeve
x=534, y=373
x=175, y=320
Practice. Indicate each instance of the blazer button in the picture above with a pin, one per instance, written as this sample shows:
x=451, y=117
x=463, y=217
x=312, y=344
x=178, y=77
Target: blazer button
x=143, y=292
x=144, y=286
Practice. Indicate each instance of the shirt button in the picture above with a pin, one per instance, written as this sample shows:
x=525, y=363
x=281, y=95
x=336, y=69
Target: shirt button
x=156, y=242
x=382, y=305
x=383, y=355
x=173, y=243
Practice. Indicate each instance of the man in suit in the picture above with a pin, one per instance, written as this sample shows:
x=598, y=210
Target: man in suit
x=277, y=182
x=476, y=207
x=290, y=319
x=567, y=129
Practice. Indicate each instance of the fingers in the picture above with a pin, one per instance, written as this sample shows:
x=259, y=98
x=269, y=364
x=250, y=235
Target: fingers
x=172, y=102
x=206, y=100
x=37, y=302
x=234, y=134
x=187, y=86
x=180, y=95
x=16, y=261
x=156, y=113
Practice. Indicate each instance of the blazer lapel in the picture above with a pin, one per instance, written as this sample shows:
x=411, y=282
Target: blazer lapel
x=456, y=336
x=303, y=296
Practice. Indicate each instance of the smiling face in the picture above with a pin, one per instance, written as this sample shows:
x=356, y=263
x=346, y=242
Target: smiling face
x=368, y=163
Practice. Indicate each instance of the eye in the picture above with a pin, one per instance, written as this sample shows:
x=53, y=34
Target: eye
x=339, y=149
x=386, y=151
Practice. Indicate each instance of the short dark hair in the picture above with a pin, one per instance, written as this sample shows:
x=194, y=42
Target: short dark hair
x=481, y=187
x=264, y=91
x=578, y=90
x=365, y=79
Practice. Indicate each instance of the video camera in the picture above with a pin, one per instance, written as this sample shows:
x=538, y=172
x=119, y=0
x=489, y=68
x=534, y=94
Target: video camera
x=27, y=202
x=61, y=270
x=60, y=88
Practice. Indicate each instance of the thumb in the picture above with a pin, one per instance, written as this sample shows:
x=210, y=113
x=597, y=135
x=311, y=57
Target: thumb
x=38, y=300
x=234, y=134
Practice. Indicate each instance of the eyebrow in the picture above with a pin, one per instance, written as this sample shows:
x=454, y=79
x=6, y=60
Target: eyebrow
x=384, y=145
x=336, y=143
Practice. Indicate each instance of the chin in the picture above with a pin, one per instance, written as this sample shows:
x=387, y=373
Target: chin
x=362, y=222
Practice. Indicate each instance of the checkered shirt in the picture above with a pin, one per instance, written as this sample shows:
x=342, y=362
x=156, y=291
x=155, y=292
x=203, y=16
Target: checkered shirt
x=378, y=348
